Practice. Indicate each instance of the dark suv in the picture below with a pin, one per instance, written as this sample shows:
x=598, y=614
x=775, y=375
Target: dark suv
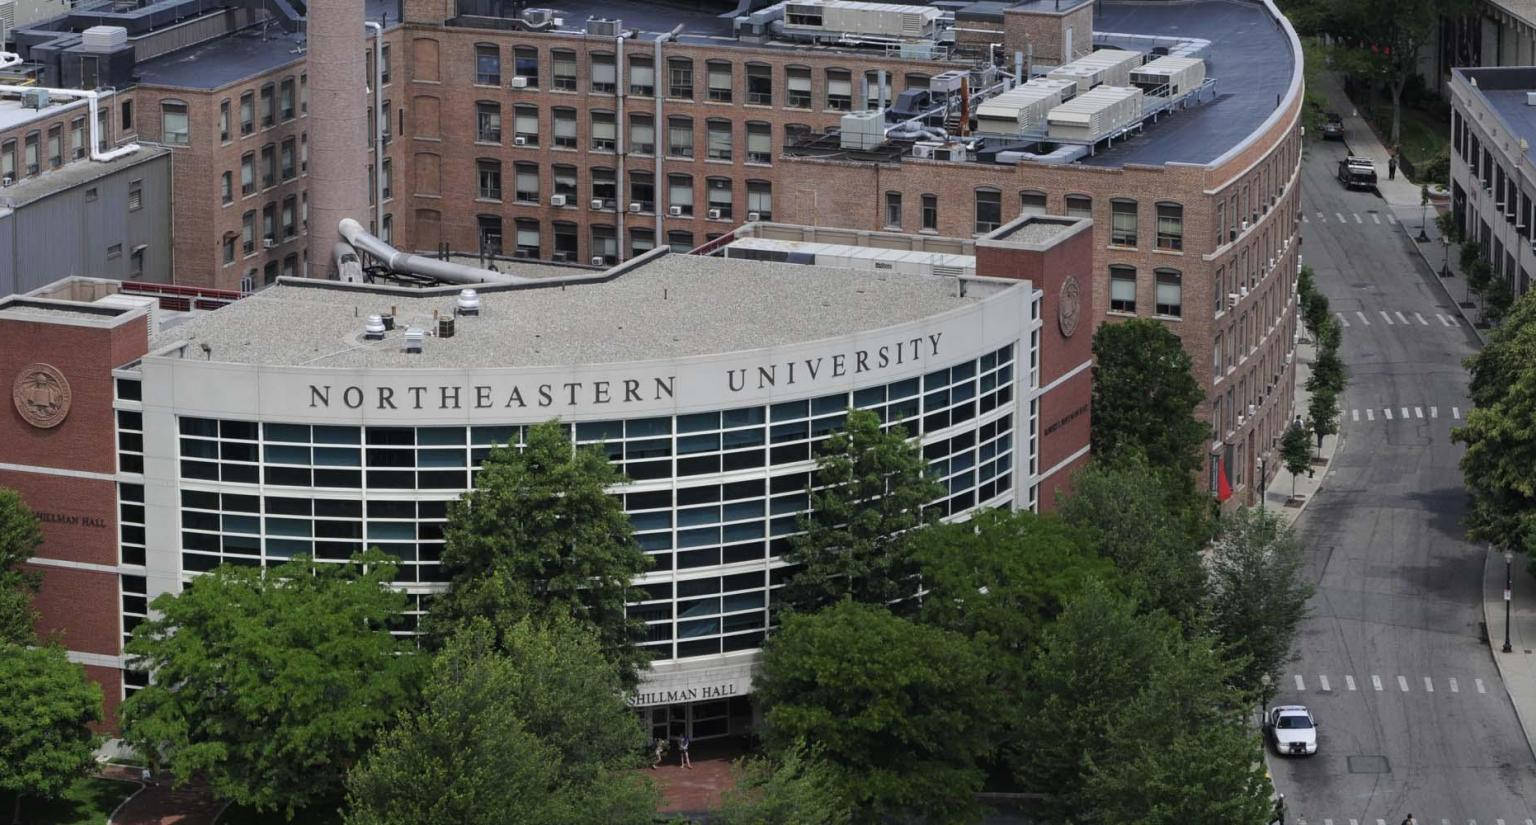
x=1333, y=126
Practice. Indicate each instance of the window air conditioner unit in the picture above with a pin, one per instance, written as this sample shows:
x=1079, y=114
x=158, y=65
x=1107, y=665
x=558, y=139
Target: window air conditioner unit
x=597, y=260
x=714, y=214
x=1231, y=300
x=519, y=141
x=597, y=203
x=1250, y=410
x=675, y=211
x=556, y=200
x=634, y=206
x=268, y=243
x=8, y=180
x=1242, y=292
x=1240, y=421
x=519, y=82
x=753, y=217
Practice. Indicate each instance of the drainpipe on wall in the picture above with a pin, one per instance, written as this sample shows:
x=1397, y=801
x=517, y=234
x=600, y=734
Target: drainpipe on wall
x=378, y=125
x=620, y=128
x=656, y=124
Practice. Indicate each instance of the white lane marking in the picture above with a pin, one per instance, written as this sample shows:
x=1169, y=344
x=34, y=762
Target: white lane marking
x=1330, y=822
x=1363, y=319
x=1324, y=680
x=1375, y=218
x=1421, y=319
x=1480, y=687
x=1340, y=216
x=1354, y=822
x=1498, y=822
x=1370, y=415
x=1385, y=316
x=1343, y=321
x=1444, y=320
x=1304, y=219
x=1434, y=412
x=1388, y=411
x=1429, y=686
x=1300, y=683
x=1405, y=412
x=1321, y=216
x=1392, y=220
x=1375, y=681
x=1357, y=217
x=1354, y=415
x=1445, y=822
x=1456, y=413
x=1455, y=688
x=1400, y=316
x=1402, y=683
x=1418, y=412
x=1349, y=682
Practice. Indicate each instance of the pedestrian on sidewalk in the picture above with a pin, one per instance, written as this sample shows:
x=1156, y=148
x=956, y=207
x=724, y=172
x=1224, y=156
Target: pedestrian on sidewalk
x=1392, y=167
x=683, y=757
x=658, y=747
x=1409, y=820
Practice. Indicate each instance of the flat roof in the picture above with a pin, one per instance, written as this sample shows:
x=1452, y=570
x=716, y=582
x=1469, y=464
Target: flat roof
x=74, y=173
x=1504, y=89
x=673, y=306
x=1250, y=60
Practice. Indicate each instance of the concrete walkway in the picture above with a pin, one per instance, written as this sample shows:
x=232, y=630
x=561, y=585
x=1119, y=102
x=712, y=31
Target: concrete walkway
x=1277, y=496
x=1517, y=668
x=160, y=804
x=1362, y=142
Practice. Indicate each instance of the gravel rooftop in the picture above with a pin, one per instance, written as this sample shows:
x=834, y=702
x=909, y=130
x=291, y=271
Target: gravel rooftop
x=675, y=306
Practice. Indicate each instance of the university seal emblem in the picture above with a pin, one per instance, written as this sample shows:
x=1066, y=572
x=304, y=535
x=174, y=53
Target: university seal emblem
x=42, y=395
x=1069, y=308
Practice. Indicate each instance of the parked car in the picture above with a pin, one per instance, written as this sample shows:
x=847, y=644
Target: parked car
x=1357, y=173
x=1291, y=730
x=1333, y=126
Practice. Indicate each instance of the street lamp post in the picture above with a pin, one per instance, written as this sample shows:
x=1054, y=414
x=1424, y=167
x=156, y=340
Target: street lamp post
x=1509, y=583
x=1445, y=262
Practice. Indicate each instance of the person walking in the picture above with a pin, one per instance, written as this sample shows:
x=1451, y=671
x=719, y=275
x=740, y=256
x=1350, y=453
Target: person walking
x=1409, y=820
x=683, y=759
x=658, y=747
x=1392, y=167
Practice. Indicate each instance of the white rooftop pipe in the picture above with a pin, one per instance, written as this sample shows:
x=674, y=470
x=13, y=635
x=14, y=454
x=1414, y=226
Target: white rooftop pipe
x=9, y=59
x=397, y=261
x=94, y=99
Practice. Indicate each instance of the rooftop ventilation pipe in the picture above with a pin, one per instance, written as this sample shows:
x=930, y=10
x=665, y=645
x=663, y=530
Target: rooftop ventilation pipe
x=94, y=99
x=397, y=261
x=657, y=125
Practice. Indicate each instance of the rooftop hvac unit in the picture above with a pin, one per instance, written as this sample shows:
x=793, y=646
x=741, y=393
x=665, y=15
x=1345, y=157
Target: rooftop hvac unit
x=945, y=82
x=374, y=329
x=1108, y=67
x=938, y=150
x=604, y=26
x=1023, y=108
x=1095, y=114
x=104, y=38
x=145, y=302
x=519, y=81
x=1169, y=76
x=885, y=20
x=540, y=18
x=556, y=200
x=415, y=339
x=35, y=99
x=862, y=130
x=468, y=303
x=445, y=327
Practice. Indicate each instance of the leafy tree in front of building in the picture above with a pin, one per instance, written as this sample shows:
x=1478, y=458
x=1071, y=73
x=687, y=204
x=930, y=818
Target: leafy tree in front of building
x=46, y=709
x=1258, y=597
x=1296, y=452
x=1499, y=466
x=20, y=536
x=1144, y=398
x=524, y=723
x=871, y=494
x=798, y=787
x=902, y=710
x=1498, y=299
x=269, y=683
x=1323, y=415
x=540, y=535
x=1151, y=527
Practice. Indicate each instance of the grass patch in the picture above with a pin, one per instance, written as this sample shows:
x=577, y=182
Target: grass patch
x=238, y=815
x=1425, y=135
x=87, y=802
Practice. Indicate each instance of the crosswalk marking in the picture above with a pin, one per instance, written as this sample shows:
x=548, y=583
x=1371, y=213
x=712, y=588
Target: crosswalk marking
x=1344, y=322
x=1375, y=681
x=1340, y=216
x=1418, y=412
x=1304, y=219
x=1354, y=822
x=1385, y=316
x=1444, y=320
x=1392, y=220
x=1454, y=687
x=1300, y=683
x=1320, y=215
x=1421, y=319
x=1355, y=415
x=1388, y=411
x=1330, y=822
x=1363, y=319
x=1370, y=415
x=1324, y=681
x=1405, y=412
x=1349, y=682
x=1357, y=218
x=1434, y=412
x=1429, y=686
x=1375, y=218
x=1402, y=683
x=1480, y=688
x=1456, y=413
x=1400, y=316
x=1498, y=822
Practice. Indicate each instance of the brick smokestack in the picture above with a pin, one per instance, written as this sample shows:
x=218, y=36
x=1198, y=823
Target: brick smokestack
x=338, y=125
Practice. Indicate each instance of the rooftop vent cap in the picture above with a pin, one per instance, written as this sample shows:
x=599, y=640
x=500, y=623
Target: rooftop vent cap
x=1530, y=98
x=604, y=27
x=415, y=339
x=468, y=303
x=374, y=329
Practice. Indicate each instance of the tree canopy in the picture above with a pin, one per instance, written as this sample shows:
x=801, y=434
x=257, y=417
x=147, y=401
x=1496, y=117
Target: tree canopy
x=799, y=787
x=46, y=709
x=1145, y=396
x=871, y=495
x=270, y=683
x=540, y=535
x=1499, y=466
x=1258, y=598
x=20, y=536
x=529, y=720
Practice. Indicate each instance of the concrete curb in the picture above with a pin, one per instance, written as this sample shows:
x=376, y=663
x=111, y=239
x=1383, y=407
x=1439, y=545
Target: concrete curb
x=1435, y=274
x=1498, y=663
x=1338, y=442
x=112, y=817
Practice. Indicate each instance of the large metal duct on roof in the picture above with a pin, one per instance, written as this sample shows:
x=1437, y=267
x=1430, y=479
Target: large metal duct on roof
x=338, y=125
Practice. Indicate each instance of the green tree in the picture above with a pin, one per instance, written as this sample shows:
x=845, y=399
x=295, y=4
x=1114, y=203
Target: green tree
x=1314, y=312
x=20, y=536
x=540, y=535
x=46, y=709
x=1258, y=596
x=1150, y=527
x=1323, y=415
x=798, y=788
x=1306, y=281
x=1328, y=373
x=1471, y=253
x=1449, y=229
x=269, y=683
x=1497, y=300
x=1499, y=466
x=1296, y=452
x=1145, y=396
x=1479, y=276
x=1330, y=336
x=856, y=540
x=901, y=709
x=530, y=720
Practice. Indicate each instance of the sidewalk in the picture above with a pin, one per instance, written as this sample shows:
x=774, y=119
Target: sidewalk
x=1277, y=496
x=159, y=804
x=1362, y=142
x=1517, y=669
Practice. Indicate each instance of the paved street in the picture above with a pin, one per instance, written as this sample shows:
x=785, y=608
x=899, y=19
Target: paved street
x=1414, y=715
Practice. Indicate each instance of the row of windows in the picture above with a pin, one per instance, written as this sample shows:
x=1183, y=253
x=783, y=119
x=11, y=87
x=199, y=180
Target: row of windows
x=530, y=182
x=1168, y=296
x=1124, y=219
x=1253, y=197
x=280, y=223
x=35, y=143
x=760, y=84
x=278, y=164
x=602, y=133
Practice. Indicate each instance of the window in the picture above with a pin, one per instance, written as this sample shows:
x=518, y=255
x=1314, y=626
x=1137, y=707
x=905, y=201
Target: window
x=386, y=130
x=604, y=132
x=1079, y=206
x=680, y=137
x=383, y=63
x=605, y=244
x=720, y=198
x=893, y=210
x=290, y=217
x=224, y=120
x=173, y=123
x=488, y=121
x=268, y=106
x=285, y=99
x=759, y=142
x=839, y=90
x=565, y=181
x=641, y=241
x=77, y=137
x=8, y=160
x=916, y=80
x=229, y=249
x=525, y=62
x=679, y=241
x=248, y=173
x=565, y=241
x=303, y=94
x=989, y=210
x=1170, y=293
x=759, y=84
x=680, y=195
x=798, y=95
x=490, y=234
x=269, y=223
x=527, y=182
x=56, y=146
x=248, y=232
x=1217, y=284
x=268, y=165
x=1170, y=226
x=760, y=200
x=128, y=115
x=604, y=77
x=605, y=187
x=1031, y=203
x=389, y=178
x=563, y=69
x=931, y=212
x=247, y=113
x=1122, y=289
x=1122, y=222
x=719, y=81
x=719, y=140
x=642, y=76
x=30, y=152
x=227, y=187
x=114, y=251
x=287, y=160
x=642, y=135
x=487, y=64
x=642, y=190
x=525, y=126
x=527, y=238
x=490, y=178
x=680, y=78
x=565, y=127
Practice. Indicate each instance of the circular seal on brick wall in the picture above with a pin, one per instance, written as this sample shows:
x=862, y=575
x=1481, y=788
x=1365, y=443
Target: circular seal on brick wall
x=42, y=395
x=1069, y=307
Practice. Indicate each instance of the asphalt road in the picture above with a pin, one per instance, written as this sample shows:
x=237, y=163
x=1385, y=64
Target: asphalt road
x=1413, y=715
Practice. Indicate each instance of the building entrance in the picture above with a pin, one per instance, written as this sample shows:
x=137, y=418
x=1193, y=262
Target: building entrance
x=699, y=721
